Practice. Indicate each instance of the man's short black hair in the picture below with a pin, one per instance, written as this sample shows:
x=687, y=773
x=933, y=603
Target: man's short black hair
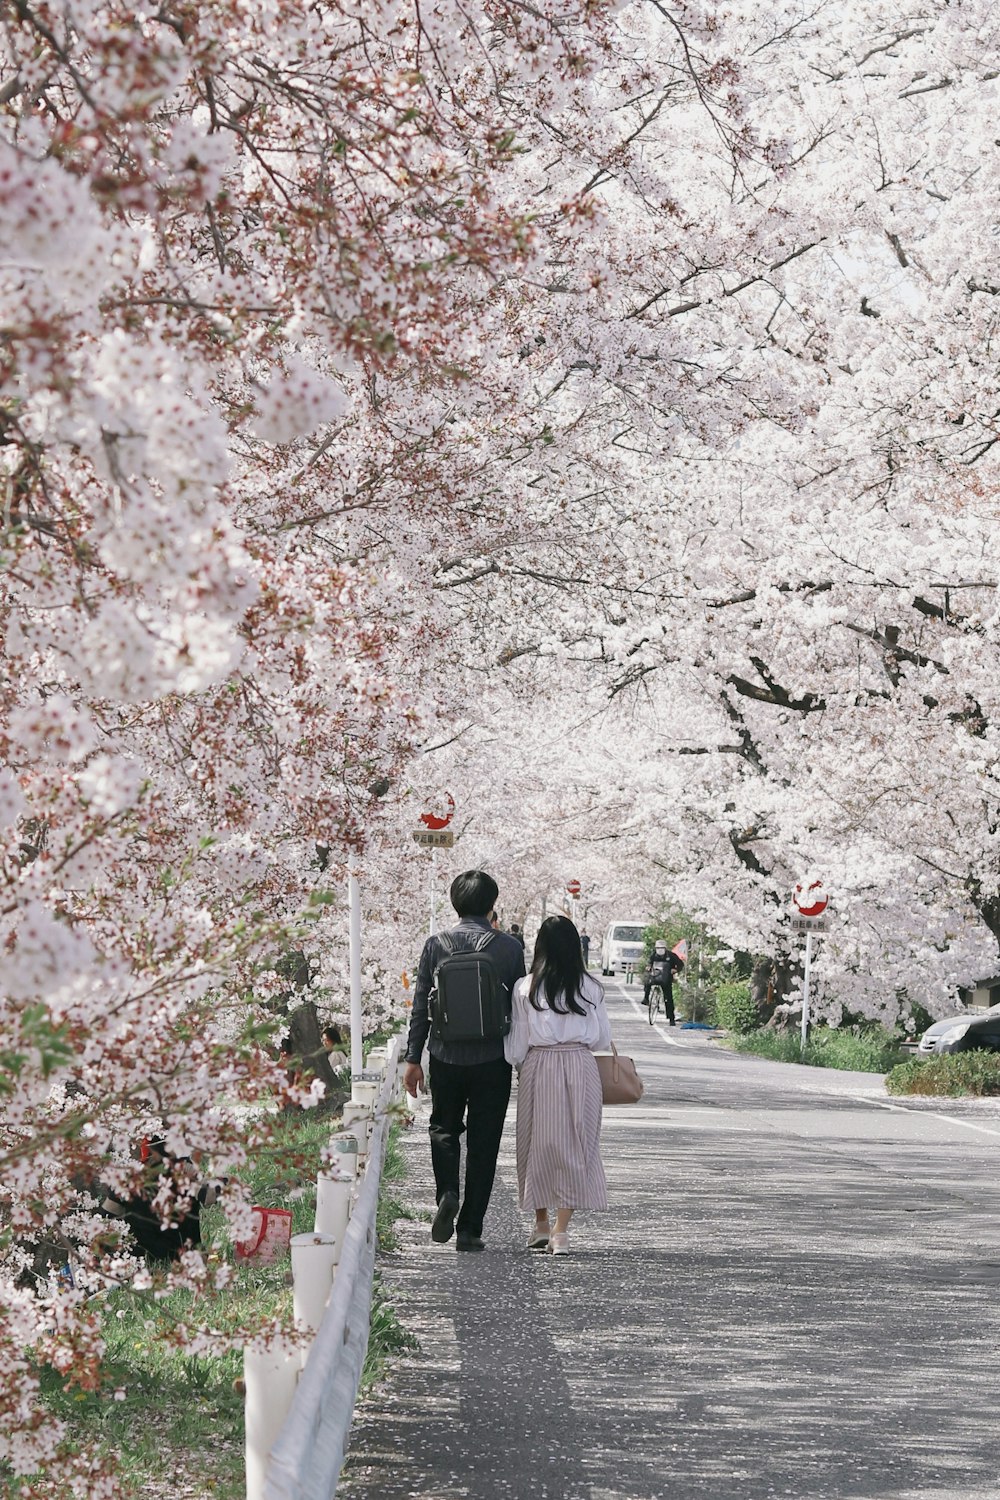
x=474, y=893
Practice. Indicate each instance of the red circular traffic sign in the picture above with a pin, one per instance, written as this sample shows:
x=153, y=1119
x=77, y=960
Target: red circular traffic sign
x=440, y=815
x=811, y=900
x=573, y=888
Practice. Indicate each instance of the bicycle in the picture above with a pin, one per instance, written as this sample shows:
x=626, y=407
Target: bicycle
x=657, y=1003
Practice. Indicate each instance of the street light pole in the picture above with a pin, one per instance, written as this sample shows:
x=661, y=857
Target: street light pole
x=354, y=952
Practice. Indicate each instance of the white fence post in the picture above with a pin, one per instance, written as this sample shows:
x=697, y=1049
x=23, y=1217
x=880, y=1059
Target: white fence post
x=314, y=1260
x=343, y=1150
x=357, y=1118
x=270, y=1377
x=333, y=1206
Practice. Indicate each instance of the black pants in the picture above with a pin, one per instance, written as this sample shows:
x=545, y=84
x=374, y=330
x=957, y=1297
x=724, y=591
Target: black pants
x=472, y=1098
x=668, y=999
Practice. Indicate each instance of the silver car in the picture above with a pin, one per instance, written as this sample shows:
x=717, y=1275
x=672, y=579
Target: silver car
x=975, y=1029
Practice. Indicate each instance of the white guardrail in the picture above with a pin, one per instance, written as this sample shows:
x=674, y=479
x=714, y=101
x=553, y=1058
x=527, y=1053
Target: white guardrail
x=305, y=1460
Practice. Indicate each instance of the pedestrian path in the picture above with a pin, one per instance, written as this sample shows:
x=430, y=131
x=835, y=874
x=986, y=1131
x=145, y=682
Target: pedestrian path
x=795, y=1294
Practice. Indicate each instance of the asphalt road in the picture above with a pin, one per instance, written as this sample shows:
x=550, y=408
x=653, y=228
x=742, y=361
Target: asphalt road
x=796, y=1294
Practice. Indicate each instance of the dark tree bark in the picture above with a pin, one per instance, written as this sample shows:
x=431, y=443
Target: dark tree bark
x=770, y=984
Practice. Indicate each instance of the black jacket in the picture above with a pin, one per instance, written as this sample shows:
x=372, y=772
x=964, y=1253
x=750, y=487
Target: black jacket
x=504, y=953
x=673, y=964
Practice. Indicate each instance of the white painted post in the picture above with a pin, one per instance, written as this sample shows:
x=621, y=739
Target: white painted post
x=354, y=905
x=357, y=1118
x=270, y=1378
x=433, y=921
x=365, y=1090
x=697, y=988
x=343, y=1148
x=805, y=992
x=314, y=1260
x=333, y=1207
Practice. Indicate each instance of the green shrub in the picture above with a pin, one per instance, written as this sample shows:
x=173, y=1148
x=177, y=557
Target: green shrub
x=948, y=1077
x=866, y=1049
x=777, y=1046
x=734, y=1009
x=869, y=1050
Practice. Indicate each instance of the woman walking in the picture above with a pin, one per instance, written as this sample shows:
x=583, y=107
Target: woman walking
x=559, y=1020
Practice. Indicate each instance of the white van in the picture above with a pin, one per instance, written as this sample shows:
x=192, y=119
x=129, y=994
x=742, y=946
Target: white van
x=622, y=946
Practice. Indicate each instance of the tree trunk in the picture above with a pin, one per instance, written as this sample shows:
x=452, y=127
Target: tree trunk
x=770, y=984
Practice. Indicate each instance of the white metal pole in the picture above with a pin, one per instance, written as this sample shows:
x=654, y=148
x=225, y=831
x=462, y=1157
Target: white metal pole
x=697, y=988
x=333, y=1208
x=354, y=904
x=805, y=990
x=433, y=923
x=270, y=1377
x=314, y=1260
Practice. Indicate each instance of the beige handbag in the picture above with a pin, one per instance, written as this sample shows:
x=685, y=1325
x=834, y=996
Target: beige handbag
x=620, y=1083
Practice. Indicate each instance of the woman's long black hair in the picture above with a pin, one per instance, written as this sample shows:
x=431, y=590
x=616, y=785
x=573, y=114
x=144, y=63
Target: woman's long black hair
x=557, y=968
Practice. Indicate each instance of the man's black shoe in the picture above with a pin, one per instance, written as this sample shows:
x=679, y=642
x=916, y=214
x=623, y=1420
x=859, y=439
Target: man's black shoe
x=443, y=1226
x=468, y=1242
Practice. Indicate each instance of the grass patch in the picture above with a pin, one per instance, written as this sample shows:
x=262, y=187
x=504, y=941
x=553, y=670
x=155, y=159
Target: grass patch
x=391, y=1208
x=387, y=1337
x=870, y=1049
x=948, y=1077
x=159, y=1412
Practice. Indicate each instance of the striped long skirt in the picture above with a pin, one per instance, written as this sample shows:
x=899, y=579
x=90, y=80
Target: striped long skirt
x=559, y=1105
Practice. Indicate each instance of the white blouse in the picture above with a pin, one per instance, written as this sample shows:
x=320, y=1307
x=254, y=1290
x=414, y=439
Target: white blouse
x=547, y=1028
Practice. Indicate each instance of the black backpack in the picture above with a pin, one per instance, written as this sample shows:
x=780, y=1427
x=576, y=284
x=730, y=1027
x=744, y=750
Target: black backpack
x=468, y=1002
x=661, y=970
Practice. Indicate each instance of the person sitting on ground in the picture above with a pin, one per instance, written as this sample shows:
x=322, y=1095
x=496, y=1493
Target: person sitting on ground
x=660, y=972
x=334, y=1041
x=182, y=1229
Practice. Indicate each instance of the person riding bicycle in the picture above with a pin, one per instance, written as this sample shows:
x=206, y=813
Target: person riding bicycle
x=660, y=973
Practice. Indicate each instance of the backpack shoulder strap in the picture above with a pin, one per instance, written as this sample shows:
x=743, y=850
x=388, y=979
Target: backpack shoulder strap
x=484, y=941
x=446, y=941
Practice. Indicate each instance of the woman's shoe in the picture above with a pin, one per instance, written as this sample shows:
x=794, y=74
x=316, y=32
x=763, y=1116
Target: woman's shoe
x=559, y=1244
x=539, y=1240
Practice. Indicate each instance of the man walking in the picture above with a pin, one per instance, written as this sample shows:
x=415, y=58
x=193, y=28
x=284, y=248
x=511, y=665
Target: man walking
x=462, y=998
